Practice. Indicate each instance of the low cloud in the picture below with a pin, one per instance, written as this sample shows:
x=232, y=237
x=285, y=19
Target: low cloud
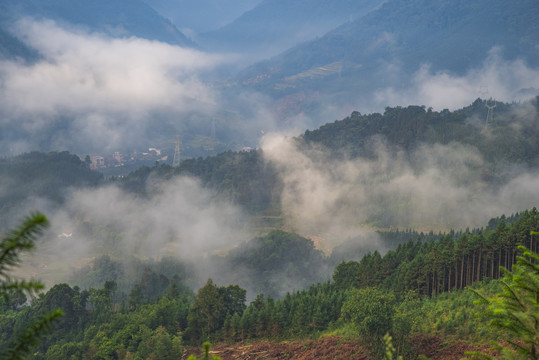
x=501, y=79
x=181, y=219
x=88, y=86
x=437, y=187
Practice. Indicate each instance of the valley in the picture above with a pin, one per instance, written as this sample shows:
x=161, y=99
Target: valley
x=269, y=179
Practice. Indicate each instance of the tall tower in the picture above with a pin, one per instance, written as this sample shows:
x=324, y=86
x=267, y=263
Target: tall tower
x=213, y=140
x=212, y=135
x=176, y=161
x=490, y=111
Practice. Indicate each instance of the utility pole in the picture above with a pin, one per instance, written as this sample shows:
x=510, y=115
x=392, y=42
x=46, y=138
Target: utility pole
x=176, y=161
x=490, y=111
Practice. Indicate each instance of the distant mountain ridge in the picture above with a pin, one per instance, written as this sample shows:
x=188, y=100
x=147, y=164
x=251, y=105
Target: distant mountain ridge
x=389, y=44
x=279, y=24
x=118, y=18
x=201, y=15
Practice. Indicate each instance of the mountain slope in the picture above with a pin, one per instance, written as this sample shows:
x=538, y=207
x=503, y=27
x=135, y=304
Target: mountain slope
x=201, y=15
x=27, y=177
x=380, y=169
x=118, y=18
x=388, y=45
x=10, y=46
x=275, y=25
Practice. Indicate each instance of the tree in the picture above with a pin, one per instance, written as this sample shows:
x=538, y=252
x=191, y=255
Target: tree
x=371, y=311
x=206, y=354
x=234, y=298
x=87, y=161
x=516, y=309
x=17, y=241
x=206, y=311
x=346, y=274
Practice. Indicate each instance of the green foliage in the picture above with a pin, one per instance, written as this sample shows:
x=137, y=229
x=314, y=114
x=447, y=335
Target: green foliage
x=515, y=311
x=16, y=241
x=372, y=311
x=25, y=342
x=215, y=308
x=407, y=128
x=243, y=178
x=144, y=281
x=206, y=311
x=42, y=175
x=278, y=255
x=443, y=262
x=20, y=240
x=415, y=288
x=346, y=274
x=390, y=349
x=206, y=347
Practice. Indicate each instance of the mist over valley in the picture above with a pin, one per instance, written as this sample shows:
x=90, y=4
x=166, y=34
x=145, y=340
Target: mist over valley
x=263, y=152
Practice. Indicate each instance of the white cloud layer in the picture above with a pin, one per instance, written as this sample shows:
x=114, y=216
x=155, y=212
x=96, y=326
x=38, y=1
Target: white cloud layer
x=99, y=83
x=441, y=187
x=181, y=219
x=498, y=78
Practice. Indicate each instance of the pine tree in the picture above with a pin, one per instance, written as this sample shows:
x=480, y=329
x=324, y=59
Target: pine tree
x=516, y=309
x=17, y=241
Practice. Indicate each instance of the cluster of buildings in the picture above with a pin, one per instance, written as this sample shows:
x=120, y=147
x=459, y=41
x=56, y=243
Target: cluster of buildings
x=120, y=159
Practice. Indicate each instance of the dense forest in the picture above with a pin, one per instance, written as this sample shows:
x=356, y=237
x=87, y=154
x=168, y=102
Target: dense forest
x=419, y=287
x=409, y=127
x=178, y=176
x=277, y=285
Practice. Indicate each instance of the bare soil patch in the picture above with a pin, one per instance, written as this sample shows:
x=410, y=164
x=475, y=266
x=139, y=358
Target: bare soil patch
x=332, y=348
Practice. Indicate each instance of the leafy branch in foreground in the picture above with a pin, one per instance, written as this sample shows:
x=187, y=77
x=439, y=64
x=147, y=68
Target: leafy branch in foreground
x=516, y=309
x=18, y=240
x=29, y=338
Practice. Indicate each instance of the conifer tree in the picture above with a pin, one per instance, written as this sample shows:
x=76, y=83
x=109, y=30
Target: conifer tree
x=17, y=241
x=515, y=310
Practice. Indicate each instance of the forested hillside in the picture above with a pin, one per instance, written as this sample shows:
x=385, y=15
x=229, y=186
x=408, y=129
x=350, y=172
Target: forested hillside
x=491, y=154
x=407, y=230
x=50, y=176
x=120, y=298
x=509, y=138
x=388, y=45
x=415, y=289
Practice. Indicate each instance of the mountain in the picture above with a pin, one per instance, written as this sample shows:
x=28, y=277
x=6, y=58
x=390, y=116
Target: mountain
x=10, y=46
x=202, y=15
x=510, y=140
x=402, y=146
x=389, y=44
x=31, y=176
x=275, y=25
x=118, y=18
